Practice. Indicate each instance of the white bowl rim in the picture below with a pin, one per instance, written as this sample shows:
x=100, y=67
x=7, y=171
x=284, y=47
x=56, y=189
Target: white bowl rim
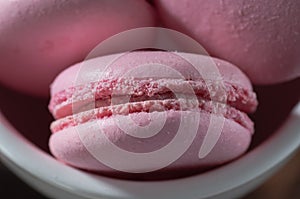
x=258, y=161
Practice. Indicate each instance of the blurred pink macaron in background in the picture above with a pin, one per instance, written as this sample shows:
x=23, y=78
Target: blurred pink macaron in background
x=117, y=101
x=261, y=37
x=39, y=38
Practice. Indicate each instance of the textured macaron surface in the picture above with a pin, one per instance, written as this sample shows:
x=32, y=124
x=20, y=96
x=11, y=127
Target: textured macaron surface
x=142, y=86
x=261, y=37
x=40, y=38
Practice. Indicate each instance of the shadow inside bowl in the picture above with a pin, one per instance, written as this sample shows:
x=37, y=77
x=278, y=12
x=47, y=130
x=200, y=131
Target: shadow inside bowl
x=29, y=115
x=275, y=104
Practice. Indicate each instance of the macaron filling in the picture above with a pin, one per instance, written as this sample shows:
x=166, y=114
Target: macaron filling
x=75, y=105
x=102, y=92
x=154, y=106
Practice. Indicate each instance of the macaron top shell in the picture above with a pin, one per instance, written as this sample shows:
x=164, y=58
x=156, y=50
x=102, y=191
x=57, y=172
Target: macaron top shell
x=39, y=38
x=261, y=37
x=117, y=65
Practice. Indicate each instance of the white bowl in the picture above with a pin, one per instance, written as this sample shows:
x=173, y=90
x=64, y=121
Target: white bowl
x=56, y=180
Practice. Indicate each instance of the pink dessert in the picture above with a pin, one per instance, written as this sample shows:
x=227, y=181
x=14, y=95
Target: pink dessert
x=261, y=37
x=40, y=38
x=97, y=101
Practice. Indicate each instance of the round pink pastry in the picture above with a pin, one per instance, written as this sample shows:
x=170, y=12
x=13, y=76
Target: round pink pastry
x=40, y=38
x=148, y=114
x=261, y=37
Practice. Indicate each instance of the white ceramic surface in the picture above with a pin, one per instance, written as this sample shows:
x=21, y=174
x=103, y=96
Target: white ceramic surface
x=233, y=180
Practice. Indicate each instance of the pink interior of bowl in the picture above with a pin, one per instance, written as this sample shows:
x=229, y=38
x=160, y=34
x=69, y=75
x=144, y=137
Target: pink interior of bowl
x=30, y=116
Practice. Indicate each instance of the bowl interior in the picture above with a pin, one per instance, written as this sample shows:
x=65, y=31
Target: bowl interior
x=24, y=134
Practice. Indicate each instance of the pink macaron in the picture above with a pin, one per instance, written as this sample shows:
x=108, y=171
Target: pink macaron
x=40, y=38
x=148, y=114
x=261, y=37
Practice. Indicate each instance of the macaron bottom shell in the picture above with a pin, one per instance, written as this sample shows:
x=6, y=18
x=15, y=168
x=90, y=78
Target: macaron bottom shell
x=73, y=146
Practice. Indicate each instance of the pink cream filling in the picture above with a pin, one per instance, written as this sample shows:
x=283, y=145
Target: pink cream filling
x=100, y=94
x=151, y=106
